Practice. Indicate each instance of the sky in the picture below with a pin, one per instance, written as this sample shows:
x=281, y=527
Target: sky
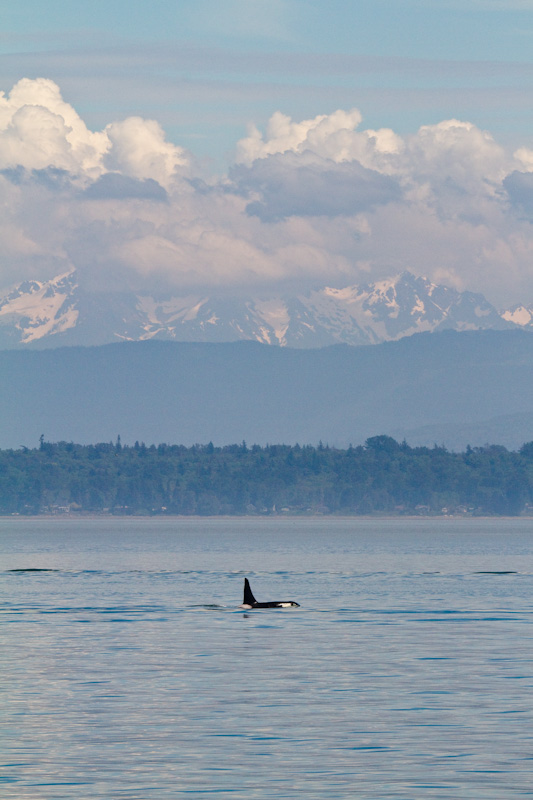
x=267, y=146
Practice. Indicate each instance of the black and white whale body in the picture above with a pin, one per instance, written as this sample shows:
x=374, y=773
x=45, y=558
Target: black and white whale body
x=249, y=600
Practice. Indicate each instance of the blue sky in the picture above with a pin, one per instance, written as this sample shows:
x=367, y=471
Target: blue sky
x=205, y=68
x=203, y=145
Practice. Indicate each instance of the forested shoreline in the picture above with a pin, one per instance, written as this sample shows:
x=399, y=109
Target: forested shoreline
x=381, y=477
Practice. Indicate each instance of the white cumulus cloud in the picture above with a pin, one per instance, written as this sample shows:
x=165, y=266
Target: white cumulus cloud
x=138, y=149
x=334, y=136
x=317, y=201
x=38, y=129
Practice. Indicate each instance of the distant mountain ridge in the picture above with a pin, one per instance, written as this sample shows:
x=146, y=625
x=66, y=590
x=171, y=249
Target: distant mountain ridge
x=449, y=388
x=58, y=312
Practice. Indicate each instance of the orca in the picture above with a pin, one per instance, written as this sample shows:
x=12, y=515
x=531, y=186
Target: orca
x=249, y=600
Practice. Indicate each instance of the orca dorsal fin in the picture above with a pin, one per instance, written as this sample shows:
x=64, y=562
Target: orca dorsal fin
x=249, y=599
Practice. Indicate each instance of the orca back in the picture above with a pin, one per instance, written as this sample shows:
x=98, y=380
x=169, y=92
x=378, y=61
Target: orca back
x=249, y=600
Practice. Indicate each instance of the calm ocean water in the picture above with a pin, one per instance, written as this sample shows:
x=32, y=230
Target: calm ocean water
x=128, y=671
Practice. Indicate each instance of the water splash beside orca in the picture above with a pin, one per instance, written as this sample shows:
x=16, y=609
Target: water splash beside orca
x=249, y=601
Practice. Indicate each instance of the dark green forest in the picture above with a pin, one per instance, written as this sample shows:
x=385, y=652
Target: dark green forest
x=381, y=477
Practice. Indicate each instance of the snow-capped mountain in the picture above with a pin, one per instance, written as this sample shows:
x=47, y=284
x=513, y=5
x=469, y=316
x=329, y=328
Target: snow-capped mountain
x=58, y=312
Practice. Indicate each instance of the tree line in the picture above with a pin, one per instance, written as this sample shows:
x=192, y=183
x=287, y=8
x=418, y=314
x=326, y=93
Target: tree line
x=381, y=476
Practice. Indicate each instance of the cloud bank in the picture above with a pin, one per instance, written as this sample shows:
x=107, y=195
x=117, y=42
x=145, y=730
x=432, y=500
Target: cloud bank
x=312, y=202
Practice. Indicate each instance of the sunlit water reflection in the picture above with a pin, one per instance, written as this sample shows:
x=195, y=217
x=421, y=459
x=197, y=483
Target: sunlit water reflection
x=129, y=671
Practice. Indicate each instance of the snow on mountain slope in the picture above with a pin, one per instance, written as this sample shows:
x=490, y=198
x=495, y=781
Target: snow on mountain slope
x=520, y=315
x=56, y=312
x=37, y=309
x=400, y=307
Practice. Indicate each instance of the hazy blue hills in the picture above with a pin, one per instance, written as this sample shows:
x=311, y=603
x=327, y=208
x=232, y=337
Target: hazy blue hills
x=452, y=388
